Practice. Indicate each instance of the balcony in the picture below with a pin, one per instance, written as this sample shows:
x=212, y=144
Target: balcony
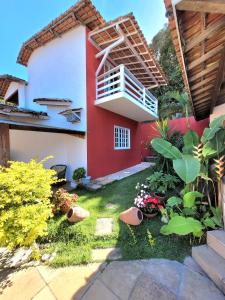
x=119, y=91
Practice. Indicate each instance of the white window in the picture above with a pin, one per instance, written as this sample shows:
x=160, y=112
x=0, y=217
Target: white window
x=121, y=138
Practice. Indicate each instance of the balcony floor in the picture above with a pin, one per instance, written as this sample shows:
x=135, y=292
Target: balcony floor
x=123, y=104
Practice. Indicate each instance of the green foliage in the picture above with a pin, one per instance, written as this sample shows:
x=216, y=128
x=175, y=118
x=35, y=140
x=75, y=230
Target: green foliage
x=165, y=148
x=189, y=198
x=214, y=127
x=163, y=128
x=182, y=226
x=79, y=173
x=176, y=139
x=161, y=182
x=173, y=201
x=164, y=50
x=190, y=140
x=187, y=168
x=25, y=190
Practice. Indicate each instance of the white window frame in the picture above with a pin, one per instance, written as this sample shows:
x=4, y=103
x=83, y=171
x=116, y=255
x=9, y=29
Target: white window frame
x=121, y=142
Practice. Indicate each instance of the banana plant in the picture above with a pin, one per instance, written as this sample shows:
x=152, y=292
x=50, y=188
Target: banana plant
x=187, y=167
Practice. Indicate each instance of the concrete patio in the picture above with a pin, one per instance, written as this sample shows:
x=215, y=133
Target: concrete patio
x=118, y=280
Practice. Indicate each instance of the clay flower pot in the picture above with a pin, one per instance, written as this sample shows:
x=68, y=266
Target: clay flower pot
x=132, y=216
x=150, y=216
x=77, y=214
x=160, y=196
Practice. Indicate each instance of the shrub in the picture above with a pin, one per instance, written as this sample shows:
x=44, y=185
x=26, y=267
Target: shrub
x=79, y=173
x=161, y=182
x=25, y=190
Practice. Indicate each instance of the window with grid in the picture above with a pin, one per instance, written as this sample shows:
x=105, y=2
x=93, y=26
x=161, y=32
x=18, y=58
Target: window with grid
x=121, y=138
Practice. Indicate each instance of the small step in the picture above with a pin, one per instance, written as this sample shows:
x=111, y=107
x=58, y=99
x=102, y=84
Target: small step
x=212, y=264
x=216, y=241
x=191, y=264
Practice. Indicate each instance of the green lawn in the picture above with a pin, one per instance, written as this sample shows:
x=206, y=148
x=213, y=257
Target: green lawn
x=73, y=243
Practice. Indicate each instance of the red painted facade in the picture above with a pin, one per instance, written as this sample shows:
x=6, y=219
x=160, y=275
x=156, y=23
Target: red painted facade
x=148, y=131
x=102, y=158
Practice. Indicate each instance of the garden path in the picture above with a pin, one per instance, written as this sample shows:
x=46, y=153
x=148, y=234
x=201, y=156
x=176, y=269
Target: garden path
x=118, y=280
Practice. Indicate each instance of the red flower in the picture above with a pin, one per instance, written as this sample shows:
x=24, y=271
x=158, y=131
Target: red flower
x=160, y=206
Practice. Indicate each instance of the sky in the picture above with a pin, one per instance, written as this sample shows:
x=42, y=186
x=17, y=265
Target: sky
x=20, y=19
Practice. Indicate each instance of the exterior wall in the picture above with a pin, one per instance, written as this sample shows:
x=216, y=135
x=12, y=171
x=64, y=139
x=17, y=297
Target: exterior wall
x=58, y=70
x=13, y=87
x=66, y=149
x=148, y=131
x=217, y=111
x=102, y=158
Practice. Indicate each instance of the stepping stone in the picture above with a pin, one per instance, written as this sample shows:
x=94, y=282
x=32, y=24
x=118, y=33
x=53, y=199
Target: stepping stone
x=111, y=206
x=104, y=226
x=106, y=254
x=191, y=264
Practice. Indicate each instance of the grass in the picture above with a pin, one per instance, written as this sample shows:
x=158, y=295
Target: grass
x=73, y=243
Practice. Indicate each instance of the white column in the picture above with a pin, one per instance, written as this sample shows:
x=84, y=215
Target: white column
x=122, y=78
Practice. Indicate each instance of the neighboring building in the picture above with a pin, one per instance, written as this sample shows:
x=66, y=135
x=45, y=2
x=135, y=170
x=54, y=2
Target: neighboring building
x=87, y=92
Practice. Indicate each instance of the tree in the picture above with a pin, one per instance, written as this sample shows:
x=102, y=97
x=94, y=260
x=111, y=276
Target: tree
x=163, y=48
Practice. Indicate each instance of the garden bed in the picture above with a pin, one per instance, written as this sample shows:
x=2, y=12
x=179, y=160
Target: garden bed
x=73, y=243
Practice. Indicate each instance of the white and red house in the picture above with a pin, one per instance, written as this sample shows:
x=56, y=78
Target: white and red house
x=86, y=95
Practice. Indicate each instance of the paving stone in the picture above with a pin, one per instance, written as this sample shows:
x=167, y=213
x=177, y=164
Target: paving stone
x=21, y=285
x=104, y=226
x=166, y=272
x=45, y=294
x=72, y=282
x=98, y=291
x=191, y=264
x=197, y=287
x=121, y=276
x=146, y=288
x=48, y=273
x=106, y=254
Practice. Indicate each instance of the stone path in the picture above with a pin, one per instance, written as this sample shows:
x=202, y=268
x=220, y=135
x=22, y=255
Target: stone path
x=120, y=280
x=104, y=226
x=123, y=174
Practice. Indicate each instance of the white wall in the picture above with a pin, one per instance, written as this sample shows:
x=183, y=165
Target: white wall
x=66, y=149
x=58, y=69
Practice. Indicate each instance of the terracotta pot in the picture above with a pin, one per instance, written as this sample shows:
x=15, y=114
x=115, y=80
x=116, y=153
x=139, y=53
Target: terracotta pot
x=65, y=206
x=132, y=216
x=160, y=196
x=150, y=216
x=77, y=214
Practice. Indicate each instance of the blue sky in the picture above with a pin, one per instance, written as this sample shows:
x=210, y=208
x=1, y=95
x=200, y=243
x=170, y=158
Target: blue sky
x=20, y=19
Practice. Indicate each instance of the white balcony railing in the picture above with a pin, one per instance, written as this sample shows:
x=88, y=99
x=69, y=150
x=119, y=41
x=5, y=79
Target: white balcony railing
x=120, y=79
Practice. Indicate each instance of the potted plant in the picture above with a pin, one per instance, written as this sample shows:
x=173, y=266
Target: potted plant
x=78, y=175
x=159, y=183
x=63, y=201
x=149, y=205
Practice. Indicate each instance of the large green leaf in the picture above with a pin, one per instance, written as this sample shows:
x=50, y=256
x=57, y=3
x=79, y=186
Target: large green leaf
x=182, y=226
x=215, y=145
x=189, y=198
x=173, y=201
x=190, y=140
x=165, y=148
x=187, y=168
x=214, y=127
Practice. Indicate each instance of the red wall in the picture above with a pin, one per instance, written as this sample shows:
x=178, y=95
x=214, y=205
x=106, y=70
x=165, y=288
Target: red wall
x=148, y=131
x=101, y=157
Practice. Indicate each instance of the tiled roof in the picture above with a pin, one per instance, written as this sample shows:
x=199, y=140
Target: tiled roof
x=5, y=81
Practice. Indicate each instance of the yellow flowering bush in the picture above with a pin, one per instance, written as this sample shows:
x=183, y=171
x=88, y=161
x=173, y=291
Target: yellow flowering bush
x=25, y=192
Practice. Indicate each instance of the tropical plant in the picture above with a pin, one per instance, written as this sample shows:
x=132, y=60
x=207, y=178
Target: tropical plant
x=160, y=182
x=25, y=207
x=79, y=173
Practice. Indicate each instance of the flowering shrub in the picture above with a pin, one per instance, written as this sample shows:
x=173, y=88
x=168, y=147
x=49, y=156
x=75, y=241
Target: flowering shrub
x=145, y=202
x=62, y=198
x=25, y=192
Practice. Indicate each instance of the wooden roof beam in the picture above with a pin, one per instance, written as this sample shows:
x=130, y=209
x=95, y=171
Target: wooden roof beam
x=219, y=80
x=206, y=6
x=208, y=69
x=205, y=57
x=207, y=32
